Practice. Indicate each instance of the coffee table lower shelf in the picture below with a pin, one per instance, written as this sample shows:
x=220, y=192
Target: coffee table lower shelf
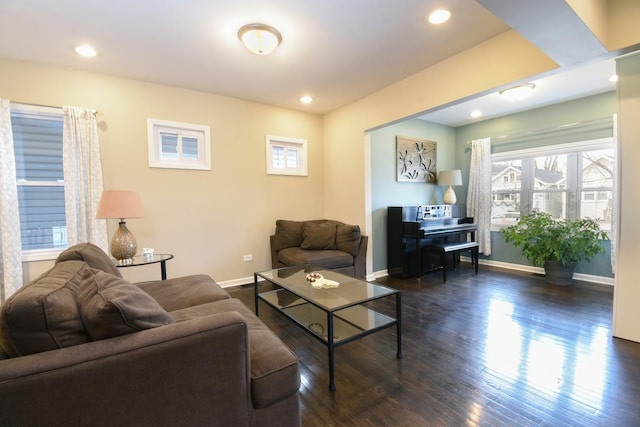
x=348, y=324
x=333, y=328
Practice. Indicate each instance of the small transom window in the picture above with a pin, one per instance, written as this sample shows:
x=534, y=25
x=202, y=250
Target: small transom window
x=178, y=145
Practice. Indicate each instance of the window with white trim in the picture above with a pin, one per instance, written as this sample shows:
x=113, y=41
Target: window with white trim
x=286, y=156
x=568, y=181
x=37, y=139
x=178, y=145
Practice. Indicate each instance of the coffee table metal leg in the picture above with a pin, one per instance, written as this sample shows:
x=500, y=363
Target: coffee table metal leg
x=332, y=385
x=399, y=325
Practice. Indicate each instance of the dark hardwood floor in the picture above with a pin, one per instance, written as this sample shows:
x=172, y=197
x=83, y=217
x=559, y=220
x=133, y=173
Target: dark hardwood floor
x=498, y=349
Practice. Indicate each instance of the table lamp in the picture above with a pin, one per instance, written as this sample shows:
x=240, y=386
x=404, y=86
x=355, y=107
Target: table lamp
x=452, y=177
x=117, y=204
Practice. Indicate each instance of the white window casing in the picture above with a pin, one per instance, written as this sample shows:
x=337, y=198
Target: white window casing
x=286, y=156
x=176, y=145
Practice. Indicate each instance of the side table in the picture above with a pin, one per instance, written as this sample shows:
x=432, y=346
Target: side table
x=139, y=260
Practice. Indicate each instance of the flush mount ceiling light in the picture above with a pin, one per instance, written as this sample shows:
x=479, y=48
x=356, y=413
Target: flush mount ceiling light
x=439, y=16
x=306, y=99
x=260, y=39
x=519, y=92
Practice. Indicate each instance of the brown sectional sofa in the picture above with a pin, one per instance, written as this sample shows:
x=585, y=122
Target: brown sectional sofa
x=81, y=346
x=323, y=242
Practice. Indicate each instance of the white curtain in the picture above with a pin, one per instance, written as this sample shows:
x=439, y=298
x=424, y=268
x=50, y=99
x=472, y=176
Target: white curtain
x=479, y=194
x=82, y=177
x=10, y=240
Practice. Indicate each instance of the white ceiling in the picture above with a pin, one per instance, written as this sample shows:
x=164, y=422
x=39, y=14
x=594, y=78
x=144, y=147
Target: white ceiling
x=337, y=51
x=576, y=83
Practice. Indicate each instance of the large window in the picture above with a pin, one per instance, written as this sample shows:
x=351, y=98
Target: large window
x=37, y=136
x=568, y=181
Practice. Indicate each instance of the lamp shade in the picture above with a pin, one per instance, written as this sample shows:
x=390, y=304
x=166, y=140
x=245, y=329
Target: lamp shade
x=120, y=204
x=452, y=177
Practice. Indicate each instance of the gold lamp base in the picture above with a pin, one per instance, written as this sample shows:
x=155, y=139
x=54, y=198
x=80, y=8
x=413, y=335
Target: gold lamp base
x=123, y=243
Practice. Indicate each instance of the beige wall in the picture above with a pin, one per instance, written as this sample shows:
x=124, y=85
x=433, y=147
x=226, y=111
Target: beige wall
x=207, y=219
x=502, y=60
x=627, y=292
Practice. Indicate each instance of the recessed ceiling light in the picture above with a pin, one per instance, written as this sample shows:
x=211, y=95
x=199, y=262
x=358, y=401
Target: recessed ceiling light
x=519, y=92
x=613, y=78
x=86, y=51
x=306, y=99
x=439, y=16
x=476, y=113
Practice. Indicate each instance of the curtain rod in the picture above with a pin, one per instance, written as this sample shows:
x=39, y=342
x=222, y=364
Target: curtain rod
x=93, y=110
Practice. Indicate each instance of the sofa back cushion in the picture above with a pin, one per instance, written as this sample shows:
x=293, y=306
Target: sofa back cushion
x=44, y=314
x=318, y=235
x=110, y=306
x=288, y=234
x=92, y=255
x=348, y=238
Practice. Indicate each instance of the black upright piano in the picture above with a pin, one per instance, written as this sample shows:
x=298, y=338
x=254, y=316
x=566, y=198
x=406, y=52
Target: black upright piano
x=411, y=228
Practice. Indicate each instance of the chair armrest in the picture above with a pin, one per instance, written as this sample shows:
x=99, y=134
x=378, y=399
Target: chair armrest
x=360, y=260
x=274, y=253
x=188, y=373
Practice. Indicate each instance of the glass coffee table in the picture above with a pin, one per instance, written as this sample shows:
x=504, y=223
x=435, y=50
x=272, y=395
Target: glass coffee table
x=333, y=314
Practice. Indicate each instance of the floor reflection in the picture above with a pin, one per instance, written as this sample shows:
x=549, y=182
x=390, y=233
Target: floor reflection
x=540, y=365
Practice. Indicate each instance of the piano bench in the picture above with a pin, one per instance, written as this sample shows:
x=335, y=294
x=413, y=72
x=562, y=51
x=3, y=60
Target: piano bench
x=454, y=248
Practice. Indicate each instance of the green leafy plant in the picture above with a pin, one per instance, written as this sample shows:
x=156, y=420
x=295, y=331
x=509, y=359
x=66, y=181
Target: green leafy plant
x=543, y=238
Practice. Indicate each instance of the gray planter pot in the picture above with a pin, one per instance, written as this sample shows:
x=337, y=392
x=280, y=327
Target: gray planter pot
x=557, y=274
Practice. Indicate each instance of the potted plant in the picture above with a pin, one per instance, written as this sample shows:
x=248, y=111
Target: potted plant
x=556, y=245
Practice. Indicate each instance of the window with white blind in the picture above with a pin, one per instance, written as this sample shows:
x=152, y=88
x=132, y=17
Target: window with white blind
x=37, y=136
x=286, y=156
x=178, y=145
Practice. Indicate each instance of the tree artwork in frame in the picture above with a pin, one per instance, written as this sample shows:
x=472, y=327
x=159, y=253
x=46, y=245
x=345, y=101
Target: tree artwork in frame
x=416, y=159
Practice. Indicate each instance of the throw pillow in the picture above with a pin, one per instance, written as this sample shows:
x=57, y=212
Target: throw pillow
x=92, y=255
x=111, y=306
x=348, y=238
x=288, y=234
x=44, y=314
x=318, y=235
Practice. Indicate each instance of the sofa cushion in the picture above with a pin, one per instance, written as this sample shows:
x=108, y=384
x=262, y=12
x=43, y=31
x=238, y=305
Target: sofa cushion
x=92, y=255
x=110, y=306
x=44, y=314
x=318, y=235
x=180, y=292
x=327, y=259
x=288, y=234
x=348, y=238
x=274, y=367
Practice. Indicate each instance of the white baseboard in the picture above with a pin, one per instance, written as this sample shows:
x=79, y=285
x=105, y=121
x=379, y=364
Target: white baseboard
x=236, y=282
x=517, y=267
x=539, y=270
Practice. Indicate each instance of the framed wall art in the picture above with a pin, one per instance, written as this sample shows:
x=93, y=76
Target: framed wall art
x=416, y=159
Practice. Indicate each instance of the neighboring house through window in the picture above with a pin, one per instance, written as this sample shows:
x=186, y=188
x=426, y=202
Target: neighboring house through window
x=568, y=181
x=37, y=136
